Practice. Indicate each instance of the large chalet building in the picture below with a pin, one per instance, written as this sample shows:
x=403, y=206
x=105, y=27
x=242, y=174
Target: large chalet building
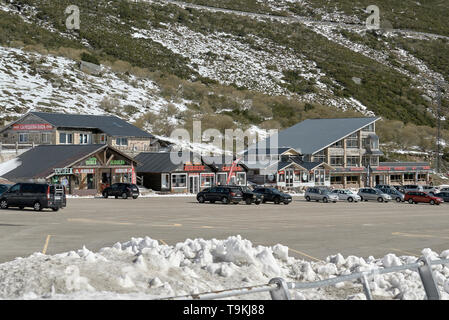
x=342, y=152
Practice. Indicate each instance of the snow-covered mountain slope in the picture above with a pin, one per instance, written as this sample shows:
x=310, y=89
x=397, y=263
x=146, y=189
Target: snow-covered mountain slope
x=144, y=269
x=31, y=81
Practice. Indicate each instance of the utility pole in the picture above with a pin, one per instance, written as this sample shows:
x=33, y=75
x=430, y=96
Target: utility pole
x=438, y=126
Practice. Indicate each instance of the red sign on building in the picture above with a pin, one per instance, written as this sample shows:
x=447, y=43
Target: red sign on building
x=193, y=168
x=236, y=168
x=32, y=126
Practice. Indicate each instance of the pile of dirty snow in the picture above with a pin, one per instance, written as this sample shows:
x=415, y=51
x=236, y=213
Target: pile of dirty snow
x=144, y=269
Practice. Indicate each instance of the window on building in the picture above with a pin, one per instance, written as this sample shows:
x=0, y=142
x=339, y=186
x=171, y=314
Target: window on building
x=305, y=176
x=23, y=137
x=281, y=176
x=338, y=144
x=352, y=141
x=337, y=180
x=409, y=177
x=102, y=138
x=179, y=180
x=365, y=161
x=395, y=178
x=241, y=178
x=207, y=180
x=165, y=181
x=374, y=161
x=337, y=161
x=221, y=178
x=422, y=177
x=65, y=138
x=121, y=141
x=369, y=128
x=320, y=156
x=352, y=179
x=84, y=138
x=352, y=161
x=45, y=138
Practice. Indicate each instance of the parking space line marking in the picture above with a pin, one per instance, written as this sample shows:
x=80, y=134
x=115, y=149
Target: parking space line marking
x=100, y=221
x=207, y=227
x=304, y=254
x=46, y=244
x=406, y=252
x=410, y=235
x=163, y=242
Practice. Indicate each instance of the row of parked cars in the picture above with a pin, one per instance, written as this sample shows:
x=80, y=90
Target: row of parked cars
x=237, y=194
x=381, y=193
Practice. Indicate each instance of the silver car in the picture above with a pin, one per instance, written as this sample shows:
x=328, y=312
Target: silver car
x=347, y=195
x=395, y=194
x=373, y=194
x=319, y=194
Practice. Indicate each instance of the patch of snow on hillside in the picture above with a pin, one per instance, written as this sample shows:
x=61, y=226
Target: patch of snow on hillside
x=144, y=269
x=30, y=81
x=8, y=166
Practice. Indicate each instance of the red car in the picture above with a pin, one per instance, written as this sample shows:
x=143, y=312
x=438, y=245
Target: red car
x=419, y=196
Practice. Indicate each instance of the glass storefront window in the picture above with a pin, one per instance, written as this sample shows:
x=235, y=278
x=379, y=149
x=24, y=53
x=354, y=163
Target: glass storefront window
x=221, y=178
x=179, y=180
x=241, y=178
x=207, y=180
x=165, y=183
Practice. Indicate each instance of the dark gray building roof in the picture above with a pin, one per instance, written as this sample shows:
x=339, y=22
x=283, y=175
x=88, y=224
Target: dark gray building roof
x=40, y=161
x=111, y=125
x=155, y=162
x=313, y=135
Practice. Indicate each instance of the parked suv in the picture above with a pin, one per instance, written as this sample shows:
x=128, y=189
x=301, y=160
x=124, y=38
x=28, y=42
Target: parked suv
x=123, y=190
x=373, y=194
x=419, y=196
x=250, y=196
x=394, y=194
x=273, y=195
x=3, y=188
x=35, y=195
x=225, y=194
x=318, y=194
x=444, y=195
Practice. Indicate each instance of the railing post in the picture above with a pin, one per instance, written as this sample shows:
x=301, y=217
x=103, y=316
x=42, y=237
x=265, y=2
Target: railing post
x=281, y=292
x=428, y=281
x=366, y=288
x=17, y=147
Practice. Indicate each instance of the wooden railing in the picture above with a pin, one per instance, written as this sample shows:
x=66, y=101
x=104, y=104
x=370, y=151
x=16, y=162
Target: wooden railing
x=16, y=146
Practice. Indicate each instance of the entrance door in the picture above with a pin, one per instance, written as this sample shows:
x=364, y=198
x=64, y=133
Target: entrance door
x=194, y=184
x=289, y=178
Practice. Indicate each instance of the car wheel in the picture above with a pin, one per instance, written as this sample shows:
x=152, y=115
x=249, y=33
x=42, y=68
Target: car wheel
x=124, y=195
x=350, y=199
x=55, y=209
x=432, y=202
x=398, y=199
x=257, y=202
x=361, y=199
x=21, y=207
x=380, y=199
x=277, y=200
x=201, y=199
x=135, y=197
x=212, y=201
x=105, y=195
x=4, y=204
x=286, y=202
x=410, y=201
x=248, y=201
x=325, y=200
x=308, y=198
x=37, y=206
x=225, y=200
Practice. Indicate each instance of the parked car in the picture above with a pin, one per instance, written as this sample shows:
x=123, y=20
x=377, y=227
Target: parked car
x=422, y=197
x=249, y=196
x=400, y=189
x=444, y=195
x=394, y=194
x=320, y=194
x=373, y=194
x=444, y=189
x=273, y=195
x=225, y=194
x=3, y=188
x=35, y=195
x=430, y=189
x=412, y=187
x=347, y=195
x=383, y=186
x=123, y=190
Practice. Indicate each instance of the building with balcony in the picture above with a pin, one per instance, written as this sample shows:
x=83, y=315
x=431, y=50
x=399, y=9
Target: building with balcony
x=42, y=128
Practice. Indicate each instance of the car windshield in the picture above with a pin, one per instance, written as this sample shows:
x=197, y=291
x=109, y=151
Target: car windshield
x=246, y=189
x=276, y=191
x=347, y=191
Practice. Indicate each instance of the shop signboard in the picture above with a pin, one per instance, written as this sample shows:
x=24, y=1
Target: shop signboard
x=63, y=171
x=91, y=161
x=193, y=168
x=32, y=126
x=118, y=162
x=123, y=170
x=84, y=171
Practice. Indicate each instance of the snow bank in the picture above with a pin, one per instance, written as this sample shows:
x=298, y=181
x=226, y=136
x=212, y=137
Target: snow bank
x=144, y=269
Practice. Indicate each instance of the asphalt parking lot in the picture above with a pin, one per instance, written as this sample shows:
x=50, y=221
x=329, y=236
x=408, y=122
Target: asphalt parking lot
x=311, y=230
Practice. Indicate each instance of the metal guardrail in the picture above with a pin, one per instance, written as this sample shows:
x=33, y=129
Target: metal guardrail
x=279, y=289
